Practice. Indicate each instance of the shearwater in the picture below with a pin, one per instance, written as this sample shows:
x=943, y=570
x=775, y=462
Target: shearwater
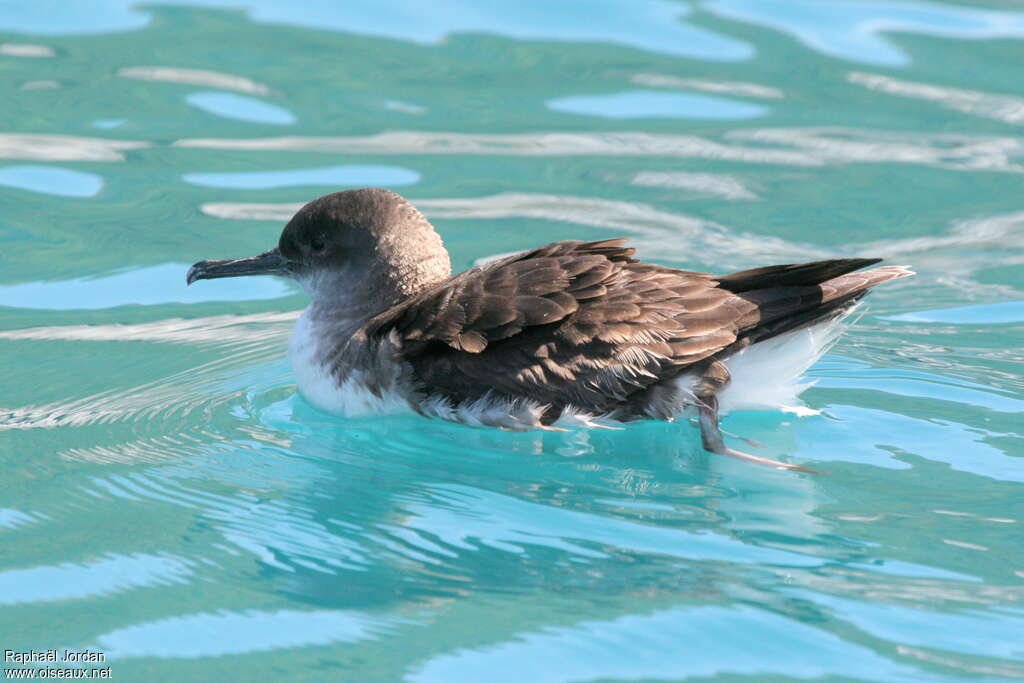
x=570, y=333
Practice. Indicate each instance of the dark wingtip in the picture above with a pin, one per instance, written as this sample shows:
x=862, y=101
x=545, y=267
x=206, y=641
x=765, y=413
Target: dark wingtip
x=795, y=274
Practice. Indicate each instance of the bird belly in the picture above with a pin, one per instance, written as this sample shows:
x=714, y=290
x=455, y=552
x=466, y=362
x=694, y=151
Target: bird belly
x=349, y=395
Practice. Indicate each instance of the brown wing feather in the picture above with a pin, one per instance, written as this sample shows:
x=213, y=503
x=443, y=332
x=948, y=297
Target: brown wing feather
x=569, y=323
x=585, y=324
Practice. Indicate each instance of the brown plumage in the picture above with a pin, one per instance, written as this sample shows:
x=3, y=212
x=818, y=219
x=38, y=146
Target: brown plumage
x=568, y=327
x=584, y=324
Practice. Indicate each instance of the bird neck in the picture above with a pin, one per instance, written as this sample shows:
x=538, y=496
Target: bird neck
x=349, y=297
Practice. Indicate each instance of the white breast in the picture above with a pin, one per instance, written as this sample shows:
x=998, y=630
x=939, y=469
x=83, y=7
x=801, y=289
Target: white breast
x=347, y=396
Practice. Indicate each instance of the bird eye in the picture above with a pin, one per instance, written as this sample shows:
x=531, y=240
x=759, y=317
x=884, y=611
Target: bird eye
x=317, y=244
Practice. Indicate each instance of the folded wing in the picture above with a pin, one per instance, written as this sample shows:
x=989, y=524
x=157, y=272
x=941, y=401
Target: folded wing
x=584, y=324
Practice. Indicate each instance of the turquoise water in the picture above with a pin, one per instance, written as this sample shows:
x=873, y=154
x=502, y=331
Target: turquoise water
x=166, y=499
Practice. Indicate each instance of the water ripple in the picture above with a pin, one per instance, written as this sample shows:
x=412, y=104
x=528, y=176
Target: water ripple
x=148, y=286
x=51, y=180
x=241, y=107
x=818, y=146
x=1004, y=108
x=466, y=517
x=238, y=632
x=111, y=574
x=642, y=104
x=331, y=176
x=853, y=30
x=665, y=644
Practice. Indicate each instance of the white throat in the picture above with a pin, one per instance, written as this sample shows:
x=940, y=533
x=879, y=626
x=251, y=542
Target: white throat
x=346, y=394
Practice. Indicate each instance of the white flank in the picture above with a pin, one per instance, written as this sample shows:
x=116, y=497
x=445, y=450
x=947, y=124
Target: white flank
x=767, y=374
x=348, y=398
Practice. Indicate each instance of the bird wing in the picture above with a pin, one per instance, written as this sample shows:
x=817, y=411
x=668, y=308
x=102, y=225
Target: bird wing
x=571, y=323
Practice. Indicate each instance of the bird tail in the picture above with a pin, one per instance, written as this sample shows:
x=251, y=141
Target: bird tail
x=792, y=296
x=801, y=311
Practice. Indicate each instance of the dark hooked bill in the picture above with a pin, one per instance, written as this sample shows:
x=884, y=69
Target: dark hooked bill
x=268, y=263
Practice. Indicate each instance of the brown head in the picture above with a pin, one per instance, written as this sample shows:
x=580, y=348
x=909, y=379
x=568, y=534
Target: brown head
x=366, y=249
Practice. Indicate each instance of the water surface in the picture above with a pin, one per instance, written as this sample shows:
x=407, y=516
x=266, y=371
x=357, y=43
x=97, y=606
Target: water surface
x=167, y=499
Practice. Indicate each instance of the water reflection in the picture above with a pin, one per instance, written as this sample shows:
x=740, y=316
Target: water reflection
x=981, y=314
x=73, y=17
x=647, y=25
x=241, y=107
x=469, y=519
x=249, y=533
x=887, y=439
x=71, y=581
x=640, y=104
x=854, y=30
x=330, y=176
x=404, y=107
x=109, y=123
x=232, y=633
x=664, y=644
x=142, y=286
x=51, y=180
x=12, y=519
x=367, y=520
x=970, y=633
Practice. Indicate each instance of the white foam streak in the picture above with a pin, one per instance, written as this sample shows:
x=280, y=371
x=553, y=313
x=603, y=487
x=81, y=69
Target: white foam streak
x=202, y=77
x=816, y=146
x=26, y=50
x=219, y=330
x=35, y=147
x=1005, y=108
x=715, y=184
x=674, y=236
x=251, y=211
x=736, y=88
x=624, y=144
x=834, y=144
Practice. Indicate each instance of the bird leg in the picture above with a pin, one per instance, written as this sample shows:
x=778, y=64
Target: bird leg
x=714, y=378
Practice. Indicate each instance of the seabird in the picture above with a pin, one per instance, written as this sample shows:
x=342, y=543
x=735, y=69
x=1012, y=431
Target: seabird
x=568, y=333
